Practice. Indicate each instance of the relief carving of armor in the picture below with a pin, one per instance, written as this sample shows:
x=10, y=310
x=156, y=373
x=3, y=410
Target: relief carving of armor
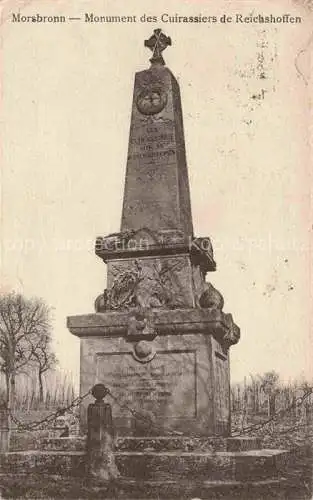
x=143, y=285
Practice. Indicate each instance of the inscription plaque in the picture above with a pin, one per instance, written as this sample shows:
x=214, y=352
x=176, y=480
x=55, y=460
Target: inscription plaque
x=152, y=144
x=164, y=387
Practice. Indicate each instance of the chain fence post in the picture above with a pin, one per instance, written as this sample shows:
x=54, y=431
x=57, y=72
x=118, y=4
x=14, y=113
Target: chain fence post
x=4, y=428
x=100, y=437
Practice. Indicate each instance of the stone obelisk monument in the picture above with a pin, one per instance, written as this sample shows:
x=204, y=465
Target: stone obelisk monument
x=159, y=339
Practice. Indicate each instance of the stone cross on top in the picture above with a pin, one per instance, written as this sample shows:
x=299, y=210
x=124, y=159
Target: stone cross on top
x=157, y=43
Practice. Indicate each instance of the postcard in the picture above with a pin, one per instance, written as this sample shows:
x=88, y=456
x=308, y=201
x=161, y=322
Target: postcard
x=156, y=225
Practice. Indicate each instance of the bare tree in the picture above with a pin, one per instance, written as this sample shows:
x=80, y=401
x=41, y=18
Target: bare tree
x=270, y=386
x=42, y=356
x=255, y=387
x=21, y=321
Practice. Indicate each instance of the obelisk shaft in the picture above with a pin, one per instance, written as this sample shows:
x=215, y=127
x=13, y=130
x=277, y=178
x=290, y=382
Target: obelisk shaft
x=156, y=192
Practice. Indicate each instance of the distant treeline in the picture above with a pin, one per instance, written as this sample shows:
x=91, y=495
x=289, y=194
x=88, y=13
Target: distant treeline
x=57, y=391
x=266, y=394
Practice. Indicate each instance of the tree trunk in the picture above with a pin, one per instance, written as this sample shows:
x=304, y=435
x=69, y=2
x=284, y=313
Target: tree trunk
x=233, y=399
x=12, y=391
x=40, y=386
x=7, y=388
x=271, y=404
x=256, y=399
x=238, y=399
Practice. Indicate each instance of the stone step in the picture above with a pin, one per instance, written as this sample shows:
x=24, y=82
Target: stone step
x=31, y=486
x=46, y=462
x=170, y=443
x=158, y=443
x=198, y=490
x=243, y=443
x=75, y=443
x=222, y=465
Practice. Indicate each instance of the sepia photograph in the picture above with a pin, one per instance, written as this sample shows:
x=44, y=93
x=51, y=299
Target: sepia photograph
x=155, y=251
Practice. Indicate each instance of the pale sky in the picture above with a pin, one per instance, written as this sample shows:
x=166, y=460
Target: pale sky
x=66, y=102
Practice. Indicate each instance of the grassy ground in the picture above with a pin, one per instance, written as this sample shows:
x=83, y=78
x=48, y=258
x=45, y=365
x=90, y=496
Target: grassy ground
x=57, y=488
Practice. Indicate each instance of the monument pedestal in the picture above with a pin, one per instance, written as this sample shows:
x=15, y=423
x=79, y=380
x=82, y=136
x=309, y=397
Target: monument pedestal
x=172, y=377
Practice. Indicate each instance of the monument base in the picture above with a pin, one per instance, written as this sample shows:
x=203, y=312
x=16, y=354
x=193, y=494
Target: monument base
x=174, y=377
x=163, y=467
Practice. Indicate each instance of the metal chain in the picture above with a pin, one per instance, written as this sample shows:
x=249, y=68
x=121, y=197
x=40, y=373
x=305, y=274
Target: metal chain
x=50, y=418
x=142, y=417
x=281, y=413
x=255, y=427
x=77, y=401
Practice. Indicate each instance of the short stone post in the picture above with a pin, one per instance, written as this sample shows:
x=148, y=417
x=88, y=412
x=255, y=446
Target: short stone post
x=4, y=428
x=100, y=437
